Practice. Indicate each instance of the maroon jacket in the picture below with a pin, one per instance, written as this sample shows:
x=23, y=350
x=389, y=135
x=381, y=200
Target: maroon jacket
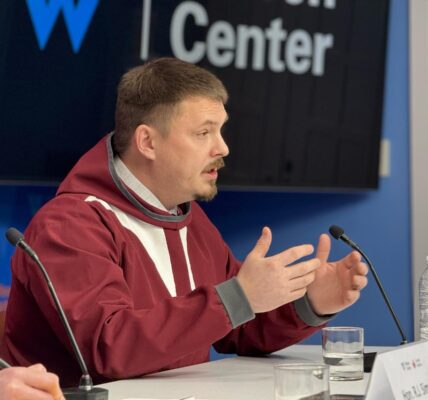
x=143, y=290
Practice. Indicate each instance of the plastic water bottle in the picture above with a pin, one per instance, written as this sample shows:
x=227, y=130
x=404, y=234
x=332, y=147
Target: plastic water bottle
x=423, y=304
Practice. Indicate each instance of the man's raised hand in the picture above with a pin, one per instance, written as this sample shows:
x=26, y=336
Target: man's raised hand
x=270, y=282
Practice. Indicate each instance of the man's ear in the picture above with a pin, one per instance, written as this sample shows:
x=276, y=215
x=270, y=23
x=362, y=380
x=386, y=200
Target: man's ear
x=144, y=138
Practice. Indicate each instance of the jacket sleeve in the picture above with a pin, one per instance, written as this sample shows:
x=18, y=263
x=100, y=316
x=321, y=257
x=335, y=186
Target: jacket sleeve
x=117, y=339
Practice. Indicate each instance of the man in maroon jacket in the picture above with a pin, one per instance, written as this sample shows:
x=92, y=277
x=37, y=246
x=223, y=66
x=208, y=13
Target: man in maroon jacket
x=145, y=279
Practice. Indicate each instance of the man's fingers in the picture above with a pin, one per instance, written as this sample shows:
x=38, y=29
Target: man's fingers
x=359, y=282
x=17, y=390
x=352, y=296
x=301, y=282
x=293, y=254
x=263, y=244
x=297, y=294
x=362, y=268
x=323, y=248
x=303, y=268
x=45, y=382
x=37, y=368
x=352, y=259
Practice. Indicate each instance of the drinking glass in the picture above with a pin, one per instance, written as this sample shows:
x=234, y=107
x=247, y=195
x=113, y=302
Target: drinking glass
x=343, y=351
x=302, y=381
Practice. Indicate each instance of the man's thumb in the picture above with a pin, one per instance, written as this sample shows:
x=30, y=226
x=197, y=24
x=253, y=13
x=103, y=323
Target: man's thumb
x=263, y=244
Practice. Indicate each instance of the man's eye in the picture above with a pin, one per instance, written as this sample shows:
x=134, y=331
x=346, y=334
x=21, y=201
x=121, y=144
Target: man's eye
x=203, y=133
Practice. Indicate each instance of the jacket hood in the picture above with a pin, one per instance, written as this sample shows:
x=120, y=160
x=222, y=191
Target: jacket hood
x=94, y=175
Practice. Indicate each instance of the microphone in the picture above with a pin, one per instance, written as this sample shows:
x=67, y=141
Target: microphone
x=85, y=391
x=338, y=233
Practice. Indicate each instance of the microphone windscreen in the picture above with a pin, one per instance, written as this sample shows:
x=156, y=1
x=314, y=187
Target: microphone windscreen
x=14, y=236
x=336, y=231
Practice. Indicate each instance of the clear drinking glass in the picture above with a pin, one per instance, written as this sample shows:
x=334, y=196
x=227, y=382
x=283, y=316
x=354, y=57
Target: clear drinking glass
x=343, y=351
x=302, y=381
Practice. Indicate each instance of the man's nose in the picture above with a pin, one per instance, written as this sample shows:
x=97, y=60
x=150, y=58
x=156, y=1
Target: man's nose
x=221, y=148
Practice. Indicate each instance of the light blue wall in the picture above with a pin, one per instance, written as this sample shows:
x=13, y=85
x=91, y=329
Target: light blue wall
x=378, y=220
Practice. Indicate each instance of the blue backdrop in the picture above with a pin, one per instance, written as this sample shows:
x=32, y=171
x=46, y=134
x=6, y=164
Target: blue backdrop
x=379, y=221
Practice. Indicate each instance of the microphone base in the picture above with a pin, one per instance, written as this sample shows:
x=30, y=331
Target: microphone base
x=369, y=361
x=81, y=394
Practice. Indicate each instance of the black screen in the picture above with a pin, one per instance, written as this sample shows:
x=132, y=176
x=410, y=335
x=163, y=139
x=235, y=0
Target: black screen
x=305, y=80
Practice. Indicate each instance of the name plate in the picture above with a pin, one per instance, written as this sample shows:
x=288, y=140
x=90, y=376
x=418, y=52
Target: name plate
x=400, y=374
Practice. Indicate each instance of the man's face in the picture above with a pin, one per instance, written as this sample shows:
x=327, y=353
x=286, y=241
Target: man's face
x=191, y=152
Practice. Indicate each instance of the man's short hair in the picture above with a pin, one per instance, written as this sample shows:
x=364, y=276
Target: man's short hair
x=148, y=94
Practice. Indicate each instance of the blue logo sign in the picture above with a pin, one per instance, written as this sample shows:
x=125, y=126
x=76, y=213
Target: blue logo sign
x=77, y=18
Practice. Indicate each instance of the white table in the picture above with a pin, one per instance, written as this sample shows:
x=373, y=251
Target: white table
x=246, y=378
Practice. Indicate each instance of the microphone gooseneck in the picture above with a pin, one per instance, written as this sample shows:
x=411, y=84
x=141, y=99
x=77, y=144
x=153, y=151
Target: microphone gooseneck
x=85, y=389
x=4, y=364
x=339, y=234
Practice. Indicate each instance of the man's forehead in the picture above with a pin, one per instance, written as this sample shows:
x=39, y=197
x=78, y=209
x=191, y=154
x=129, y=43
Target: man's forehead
x=209, y=111
x=213, y=122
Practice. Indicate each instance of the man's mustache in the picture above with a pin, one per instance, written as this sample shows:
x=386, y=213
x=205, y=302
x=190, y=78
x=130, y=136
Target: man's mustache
x=217, y=164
